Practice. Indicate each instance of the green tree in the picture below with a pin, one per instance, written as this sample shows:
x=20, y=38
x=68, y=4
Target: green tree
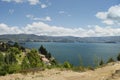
x=67, y=65
x=110, y=60
x=42, y=50
x=13, y=68
x=14, y=50
x=1, y=59
x=48, y=55
x=25, y=63
x=101, y=62
x=10, y=57
x=34, y=58
x=118, y=57
x=16, y=45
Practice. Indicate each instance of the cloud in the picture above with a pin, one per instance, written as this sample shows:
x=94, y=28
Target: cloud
x=31, y=2
x=17, y=1
x=110, y=17
x=32, y=17
x=11, y=11
x=5, y=29
x=40, y=28
x=44, y=6
x=64, y=13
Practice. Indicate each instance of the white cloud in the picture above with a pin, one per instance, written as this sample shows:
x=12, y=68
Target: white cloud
x=17, y=1
x=31, y=2
x=44, y=6
x=108, y=22
x=32, y=17
x=64, y=13
x=5, y=29
x=111, y=17
x=40, y=28
x=11, y=11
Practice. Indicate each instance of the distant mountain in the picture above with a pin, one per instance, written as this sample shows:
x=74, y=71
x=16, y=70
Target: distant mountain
x=36, y=38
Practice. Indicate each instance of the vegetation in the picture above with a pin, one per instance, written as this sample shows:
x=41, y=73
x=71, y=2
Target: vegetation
x=15, y=58
x=110, y=60
x=101, y=62
x=118, y=57
x=43, y=51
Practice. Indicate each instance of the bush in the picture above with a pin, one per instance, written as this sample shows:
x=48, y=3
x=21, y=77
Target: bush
x=43, y=51
x=101, y=63
x=118, y=57
x=14, y=68
x=67, y=65
x=78, y=68
x=1, y=59
x=3, y=73
x=110, y=60
x=34, y=59
x=25, y=64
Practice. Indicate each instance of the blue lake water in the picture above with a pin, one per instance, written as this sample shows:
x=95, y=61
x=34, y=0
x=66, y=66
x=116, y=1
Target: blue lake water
x=88, y=53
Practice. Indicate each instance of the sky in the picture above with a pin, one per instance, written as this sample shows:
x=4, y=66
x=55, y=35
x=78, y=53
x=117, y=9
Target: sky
x=80, y=18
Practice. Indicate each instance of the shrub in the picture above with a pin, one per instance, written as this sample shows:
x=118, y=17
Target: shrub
x=34, y=59
x=3, y=73
x=110, y=60
x=118, y=57
x=67, y=65
x=25, y=64
x=14, y=68
x=101, y=63
x=43, y=51
x=1, y=59
x=78, y=68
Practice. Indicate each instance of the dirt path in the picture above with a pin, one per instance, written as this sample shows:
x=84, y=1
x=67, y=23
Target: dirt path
x=105, y=73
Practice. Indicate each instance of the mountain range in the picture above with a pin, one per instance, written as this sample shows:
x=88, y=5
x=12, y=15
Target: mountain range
x=36, y=38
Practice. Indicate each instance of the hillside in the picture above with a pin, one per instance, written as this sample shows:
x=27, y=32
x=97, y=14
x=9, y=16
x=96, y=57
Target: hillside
x=15, y=58
x=36, y=38
x=109, y=72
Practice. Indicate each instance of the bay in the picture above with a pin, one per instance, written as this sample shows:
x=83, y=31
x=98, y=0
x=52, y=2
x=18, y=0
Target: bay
x=86, y=54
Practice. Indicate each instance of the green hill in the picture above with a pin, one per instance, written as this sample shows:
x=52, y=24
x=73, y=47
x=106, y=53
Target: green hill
x=15, y=58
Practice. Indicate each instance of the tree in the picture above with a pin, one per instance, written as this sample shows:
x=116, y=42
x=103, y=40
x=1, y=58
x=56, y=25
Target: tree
x=34, y=58
x=1, y=59
x=16, y=45
x=42, y=50
x=118, y=57
x=110, y=60
x=48, y=55
x=10, y=57
x=25, y=63
x=67, y=65
x=101, y=63
x=14, y=50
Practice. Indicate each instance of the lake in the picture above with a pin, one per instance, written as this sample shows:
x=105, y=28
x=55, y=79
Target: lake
x=75, y=53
